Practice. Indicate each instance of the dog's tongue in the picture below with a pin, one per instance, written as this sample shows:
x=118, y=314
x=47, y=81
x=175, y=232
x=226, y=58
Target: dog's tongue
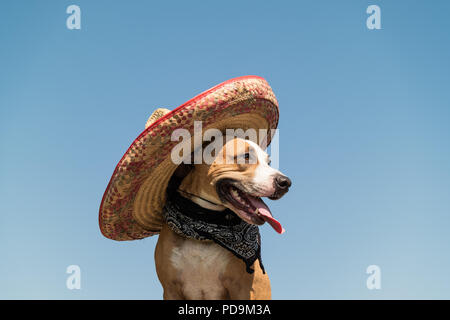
x=265, y=213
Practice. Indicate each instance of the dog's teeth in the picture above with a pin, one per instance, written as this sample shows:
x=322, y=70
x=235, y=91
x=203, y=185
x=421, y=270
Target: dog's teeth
x=236, y=195
x=256, y=211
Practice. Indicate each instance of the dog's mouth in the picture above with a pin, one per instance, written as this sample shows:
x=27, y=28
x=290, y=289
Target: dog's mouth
x=249, y=208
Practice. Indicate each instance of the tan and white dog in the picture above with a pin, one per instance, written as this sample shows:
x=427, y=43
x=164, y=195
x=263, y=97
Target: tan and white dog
x=193, y=269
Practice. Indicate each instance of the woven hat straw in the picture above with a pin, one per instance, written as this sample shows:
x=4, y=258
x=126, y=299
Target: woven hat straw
x=131, y=206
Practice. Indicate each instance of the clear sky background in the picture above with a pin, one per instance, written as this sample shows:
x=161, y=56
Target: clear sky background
x=364, y=136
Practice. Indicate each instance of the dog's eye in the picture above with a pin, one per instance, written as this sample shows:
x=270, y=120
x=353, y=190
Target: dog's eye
x=245, y=158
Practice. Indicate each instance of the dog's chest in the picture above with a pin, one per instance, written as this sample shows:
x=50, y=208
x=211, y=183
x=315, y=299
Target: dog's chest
x=200, y=266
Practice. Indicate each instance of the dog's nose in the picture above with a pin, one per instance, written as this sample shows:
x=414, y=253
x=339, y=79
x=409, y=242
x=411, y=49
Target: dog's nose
x=282, y=182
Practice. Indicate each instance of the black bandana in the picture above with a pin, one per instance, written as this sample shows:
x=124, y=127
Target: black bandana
x=225, y=228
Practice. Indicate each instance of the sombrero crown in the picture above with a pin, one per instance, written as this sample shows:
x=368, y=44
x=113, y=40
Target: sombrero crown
x=134, y=198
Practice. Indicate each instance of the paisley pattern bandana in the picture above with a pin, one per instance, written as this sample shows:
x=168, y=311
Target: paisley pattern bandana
x=225, y=228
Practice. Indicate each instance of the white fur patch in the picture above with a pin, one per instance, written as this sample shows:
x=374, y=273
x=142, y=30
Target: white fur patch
x=200, y=264
x=264, y=174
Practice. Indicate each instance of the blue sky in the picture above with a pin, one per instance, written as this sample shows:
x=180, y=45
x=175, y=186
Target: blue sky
x=364, y=136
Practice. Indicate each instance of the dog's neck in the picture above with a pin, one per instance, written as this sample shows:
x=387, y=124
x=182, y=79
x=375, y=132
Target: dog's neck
x=197, y=187
x=204, y=203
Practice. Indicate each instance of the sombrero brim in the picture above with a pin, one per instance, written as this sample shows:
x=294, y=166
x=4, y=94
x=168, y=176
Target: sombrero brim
x=132, y=203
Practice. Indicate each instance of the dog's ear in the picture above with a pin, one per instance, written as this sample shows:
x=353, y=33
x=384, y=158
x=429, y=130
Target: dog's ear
x=180, y=173
x=182, y=170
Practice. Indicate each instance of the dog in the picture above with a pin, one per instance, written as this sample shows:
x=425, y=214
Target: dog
x=193, y=269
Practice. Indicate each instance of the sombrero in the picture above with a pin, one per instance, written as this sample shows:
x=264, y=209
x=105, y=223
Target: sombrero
x=132, y=204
